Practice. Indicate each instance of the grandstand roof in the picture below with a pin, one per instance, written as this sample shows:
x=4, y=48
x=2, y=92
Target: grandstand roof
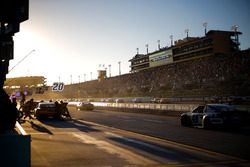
x=231, y=33
x=138, y=56
x=26, y=81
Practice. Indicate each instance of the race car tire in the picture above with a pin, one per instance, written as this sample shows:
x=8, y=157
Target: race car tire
x=206, y=124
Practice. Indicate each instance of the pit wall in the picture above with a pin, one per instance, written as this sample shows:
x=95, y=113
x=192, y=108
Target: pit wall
x=15, y=148
x=217, y=75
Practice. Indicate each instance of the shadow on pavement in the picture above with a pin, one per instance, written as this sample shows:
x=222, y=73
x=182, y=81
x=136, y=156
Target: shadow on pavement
x=40, y=128
x=70, y=123
x=165, y=152
x=240, y=130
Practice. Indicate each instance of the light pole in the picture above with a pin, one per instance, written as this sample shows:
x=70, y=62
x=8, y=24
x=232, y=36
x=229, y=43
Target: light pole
x=71, y=79
x=235, y=29
x=106, y=72
x=186, y=31
x=109, y=70
x=205, y=26
x=159, y=46
x=147, y=47
x=171, y=38
x=137, y=50
x=79, y=90
x=119, y=63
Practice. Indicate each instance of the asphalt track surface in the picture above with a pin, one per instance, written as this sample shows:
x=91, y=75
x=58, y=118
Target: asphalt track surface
x=104, y=138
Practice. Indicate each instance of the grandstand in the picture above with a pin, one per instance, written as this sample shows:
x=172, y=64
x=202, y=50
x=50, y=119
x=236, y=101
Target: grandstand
x=213, y=43
x=217, y=75
x=207, y=66
x=30, y=85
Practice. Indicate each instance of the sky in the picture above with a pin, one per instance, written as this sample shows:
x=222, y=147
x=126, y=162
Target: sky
x=65, y=40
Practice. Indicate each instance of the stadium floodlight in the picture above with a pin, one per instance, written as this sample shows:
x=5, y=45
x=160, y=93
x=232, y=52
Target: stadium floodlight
x=171, y=38
x=147, y=47
x=119, y=63
x=234, y=28
x=186, y=31
x=159, y=46
x=236, y=35
x=109, y=70
x=205, y=26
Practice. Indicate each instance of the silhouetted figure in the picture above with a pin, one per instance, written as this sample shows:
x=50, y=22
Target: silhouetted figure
x=12, y=13
x=27, y=108
x=58, y=109
x=64, y=109
x=22, y=101
x=8, y=112
x=14, y=102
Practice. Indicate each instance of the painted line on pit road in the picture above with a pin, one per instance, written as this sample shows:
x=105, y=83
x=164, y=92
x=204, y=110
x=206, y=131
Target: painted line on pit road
x=136, y=142
x=180, y=145
x=233, y=160
x=207, y=164
x=153, y=121
x=129, y=156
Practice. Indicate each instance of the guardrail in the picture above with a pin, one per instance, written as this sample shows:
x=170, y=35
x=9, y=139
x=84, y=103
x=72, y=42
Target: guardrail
x=15, y=148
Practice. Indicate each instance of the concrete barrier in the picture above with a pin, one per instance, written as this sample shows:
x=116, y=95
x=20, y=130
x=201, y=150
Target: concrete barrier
x=166, y=109
x=15, y=148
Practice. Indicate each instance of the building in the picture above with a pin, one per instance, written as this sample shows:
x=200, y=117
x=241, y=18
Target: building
x=157, y=58
x=139, y=62
x=213, y=43
x=28, y=84
x=160, y=57
x=102, y=74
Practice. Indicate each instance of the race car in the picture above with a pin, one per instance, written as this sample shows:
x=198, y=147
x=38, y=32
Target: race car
x=212, y=115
